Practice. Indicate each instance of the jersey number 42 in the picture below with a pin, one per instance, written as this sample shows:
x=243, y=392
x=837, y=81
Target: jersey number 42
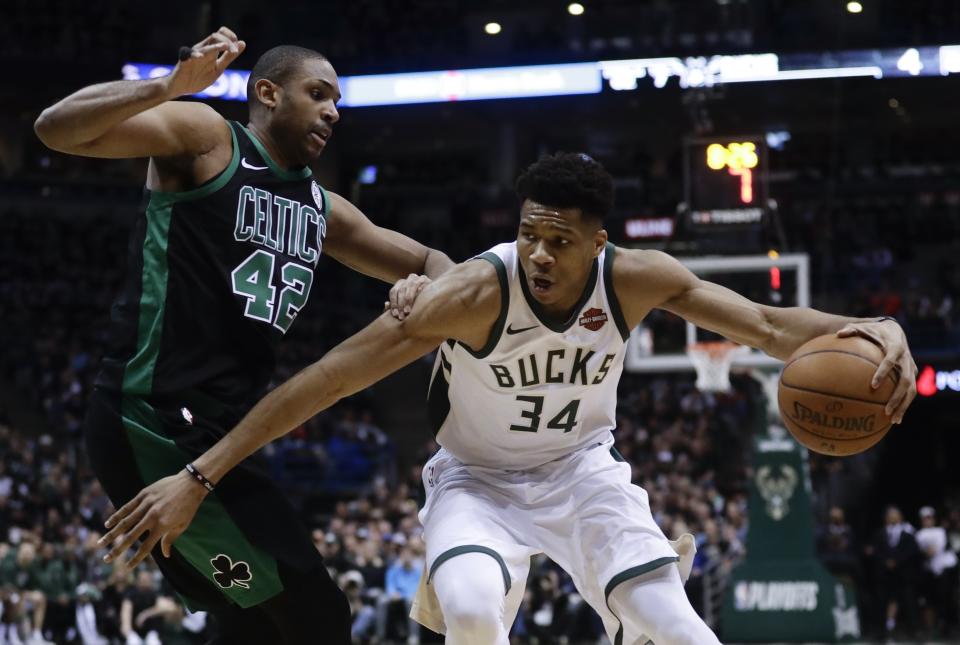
x=253, y=279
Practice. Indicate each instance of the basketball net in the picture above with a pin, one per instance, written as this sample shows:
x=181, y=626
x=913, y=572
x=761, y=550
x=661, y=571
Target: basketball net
x=712, y=361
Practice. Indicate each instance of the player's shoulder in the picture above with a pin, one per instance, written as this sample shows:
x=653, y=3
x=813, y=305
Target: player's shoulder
x=640, y=263
x=644, y=278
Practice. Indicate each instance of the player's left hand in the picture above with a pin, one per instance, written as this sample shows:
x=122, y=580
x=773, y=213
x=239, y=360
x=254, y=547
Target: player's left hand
x=161, y=512
x=889, y=336
x=403, y=294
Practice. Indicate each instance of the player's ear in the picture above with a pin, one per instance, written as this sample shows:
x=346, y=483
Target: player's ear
x=599, y=241
x=268, y=93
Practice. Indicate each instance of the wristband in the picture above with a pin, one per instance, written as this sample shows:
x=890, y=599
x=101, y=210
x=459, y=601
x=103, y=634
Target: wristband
x=206, y=483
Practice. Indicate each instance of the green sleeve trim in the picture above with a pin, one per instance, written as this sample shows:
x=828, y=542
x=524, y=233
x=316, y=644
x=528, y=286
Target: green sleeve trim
x=472, y=548
x=612, y=294
x=616, y=454
x=303, y=173
x=497, y=330
x=211, y=186
x=326, y=203
x=623, y=576
x=138, y=372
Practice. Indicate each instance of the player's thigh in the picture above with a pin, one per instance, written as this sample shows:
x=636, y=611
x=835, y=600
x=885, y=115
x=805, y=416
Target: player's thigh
x=612, y=525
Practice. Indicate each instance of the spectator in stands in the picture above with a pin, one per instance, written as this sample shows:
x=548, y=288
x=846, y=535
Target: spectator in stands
x=140, y=622
x=363, y=616
x=85, y=616
x=402, y=579
x=896, y=560
x=24, y=572
x=836, y=547
x=938, y=580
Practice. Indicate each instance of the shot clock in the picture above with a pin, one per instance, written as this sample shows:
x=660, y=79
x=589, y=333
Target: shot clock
x=726, y=181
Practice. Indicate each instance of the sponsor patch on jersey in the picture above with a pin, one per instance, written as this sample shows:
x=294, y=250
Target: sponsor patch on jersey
x=593, y=319
x=317, y=194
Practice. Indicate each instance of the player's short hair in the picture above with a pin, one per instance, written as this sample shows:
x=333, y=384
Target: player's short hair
x=569, y=180
x=278, y=65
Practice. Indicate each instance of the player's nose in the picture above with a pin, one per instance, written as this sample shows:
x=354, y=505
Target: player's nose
x=330, y=113
x=540, y=256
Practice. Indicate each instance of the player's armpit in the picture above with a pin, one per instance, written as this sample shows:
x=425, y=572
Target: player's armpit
x=355, y=241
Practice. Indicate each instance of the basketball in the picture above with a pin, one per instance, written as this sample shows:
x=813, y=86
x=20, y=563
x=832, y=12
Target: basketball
x=825, y=396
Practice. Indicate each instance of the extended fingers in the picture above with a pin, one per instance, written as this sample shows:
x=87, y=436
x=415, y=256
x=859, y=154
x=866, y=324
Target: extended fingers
x=127, y=539
x=145, y=548
x=883, y=370
x=123, y=512
x=905, y=392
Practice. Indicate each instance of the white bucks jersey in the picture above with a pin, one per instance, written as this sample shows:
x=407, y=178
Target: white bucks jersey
x=538, y=390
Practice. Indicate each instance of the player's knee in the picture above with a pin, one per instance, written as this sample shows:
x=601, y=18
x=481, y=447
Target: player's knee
x=471, y=592
x=473, y=622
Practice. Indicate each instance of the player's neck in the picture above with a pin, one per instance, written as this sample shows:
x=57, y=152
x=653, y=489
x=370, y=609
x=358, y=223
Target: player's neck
x=263, y=136
x=563, y=308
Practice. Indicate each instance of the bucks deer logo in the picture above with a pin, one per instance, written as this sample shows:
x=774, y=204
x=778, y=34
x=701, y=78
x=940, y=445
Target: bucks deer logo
x=227, y=573
x=777, y=491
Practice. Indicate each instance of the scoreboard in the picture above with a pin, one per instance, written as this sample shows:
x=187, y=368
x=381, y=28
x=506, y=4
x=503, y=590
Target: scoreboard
x=726, y=181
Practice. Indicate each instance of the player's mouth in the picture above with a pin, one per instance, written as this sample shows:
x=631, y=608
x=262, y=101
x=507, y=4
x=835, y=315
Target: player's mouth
x=540, y=285
x=320, y=137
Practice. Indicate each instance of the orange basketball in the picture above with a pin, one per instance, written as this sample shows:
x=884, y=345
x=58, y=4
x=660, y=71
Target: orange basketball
x=825, y=396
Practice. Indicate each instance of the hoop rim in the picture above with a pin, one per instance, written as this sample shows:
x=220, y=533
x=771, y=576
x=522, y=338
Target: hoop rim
x=715, y=348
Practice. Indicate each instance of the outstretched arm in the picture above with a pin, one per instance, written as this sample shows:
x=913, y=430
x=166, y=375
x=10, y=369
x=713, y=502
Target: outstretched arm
x=463, y=304
x=649, y=279
x=355, y=241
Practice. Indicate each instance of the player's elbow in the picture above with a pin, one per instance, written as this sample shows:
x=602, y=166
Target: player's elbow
x=43, y=127
x=769, y=335
x=49, y=129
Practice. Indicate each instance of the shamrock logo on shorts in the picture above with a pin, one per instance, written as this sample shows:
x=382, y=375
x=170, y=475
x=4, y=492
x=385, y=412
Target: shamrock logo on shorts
x=228, y=574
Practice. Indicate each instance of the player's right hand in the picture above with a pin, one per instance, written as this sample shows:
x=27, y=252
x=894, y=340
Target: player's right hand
x=403, y=294
x=159, y=513
x=208, y=59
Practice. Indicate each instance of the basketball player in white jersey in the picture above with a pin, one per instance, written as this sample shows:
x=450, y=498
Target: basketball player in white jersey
x=531, y=337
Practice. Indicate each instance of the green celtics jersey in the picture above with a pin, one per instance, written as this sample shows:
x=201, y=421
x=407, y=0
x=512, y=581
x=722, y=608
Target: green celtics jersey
x=216, y=277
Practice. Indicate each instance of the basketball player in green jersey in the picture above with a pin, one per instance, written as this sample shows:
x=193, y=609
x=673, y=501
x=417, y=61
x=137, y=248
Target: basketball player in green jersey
x=524, y=398
x=220, y=264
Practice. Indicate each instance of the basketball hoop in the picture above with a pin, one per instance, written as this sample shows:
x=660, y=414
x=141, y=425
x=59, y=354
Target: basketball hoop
x=712, y=361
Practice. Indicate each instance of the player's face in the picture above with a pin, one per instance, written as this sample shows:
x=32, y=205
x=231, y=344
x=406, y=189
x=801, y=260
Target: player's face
x=307, y=110
x=557, y=247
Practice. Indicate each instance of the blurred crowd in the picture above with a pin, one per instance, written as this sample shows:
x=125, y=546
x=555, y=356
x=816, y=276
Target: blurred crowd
x=905, y=572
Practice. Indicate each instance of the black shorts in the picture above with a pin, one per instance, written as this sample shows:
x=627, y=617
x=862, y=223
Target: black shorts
x=245, y=539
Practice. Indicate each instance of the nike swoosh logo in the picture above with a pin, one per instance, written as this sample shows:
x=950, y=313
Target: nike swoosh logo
x=511, y=331
x=243, y=162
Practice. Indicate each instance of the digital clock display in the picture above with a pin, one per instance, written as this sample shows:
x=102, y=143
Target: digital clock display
x=726, y=180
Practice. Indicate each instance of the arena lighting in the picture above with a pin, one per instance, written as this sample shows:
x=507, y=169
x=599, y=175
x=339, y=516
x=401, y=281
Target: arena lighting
x=587, y=78
x=492, y=28
x=854, y=7
x=575, y=9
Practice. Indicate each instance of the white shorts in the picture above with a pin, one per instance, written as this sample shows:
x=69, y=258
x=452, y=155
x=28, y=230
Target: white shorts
x=580, y=510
